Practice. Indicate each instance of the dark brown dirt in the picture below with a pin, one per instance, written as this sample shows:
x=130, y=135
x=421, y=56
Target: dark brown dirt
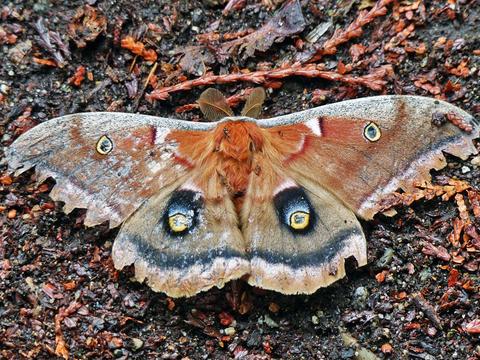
x=49, y=260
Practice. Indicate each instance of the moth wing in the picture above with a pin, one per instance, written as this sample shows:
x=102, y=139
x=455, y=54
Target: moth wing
x=182, y=241
x=362, y=150
x=107, y=163
x=298, y=238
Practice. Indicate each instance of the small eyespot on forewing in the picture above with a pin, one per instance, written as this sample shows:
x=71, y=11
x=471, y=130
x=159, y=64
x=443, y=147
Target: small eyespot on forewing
x=104, y=145
x=372, y=132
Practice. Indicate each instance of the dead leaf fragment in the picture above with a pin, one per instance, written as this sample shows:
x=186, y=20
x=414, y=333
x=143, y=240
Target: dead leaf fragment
x=474, y=198
x=428, y=309
x=357, y=50
x=454, y=236
x=61, y=347
x=86, y=25
x=473, y=327
x=6, y=180
x=19, y=51
x=453, y=277
x=461, y=70
x=170, y=304
x=439, y=252
x=138, y=48
x=286, y=22
x=381, y=276
x=52, y=42
x=78, y=77
x=46, y=62
x=387, y=348
x=459, y=122
x=225, y=318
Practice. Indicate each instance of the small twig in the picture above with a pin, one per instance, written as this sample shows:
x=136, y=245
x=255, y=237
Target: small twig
x=354, y=30
x=142, y=91
x=134, y=61
x=427, y=309
x=61, y=349
x=150, y=74
x=234, y=5
x=374, y=80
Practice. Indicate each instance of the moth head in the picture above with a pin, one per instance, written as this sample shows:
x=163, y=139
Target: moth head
x=104, y=145
x=238, y=139
x=294, y=210
x=372, y=132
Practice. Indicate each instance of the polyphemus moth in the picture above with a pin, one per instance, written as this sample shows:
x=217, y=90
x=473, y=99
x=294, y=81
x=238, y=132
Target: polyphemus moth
x=275, y=201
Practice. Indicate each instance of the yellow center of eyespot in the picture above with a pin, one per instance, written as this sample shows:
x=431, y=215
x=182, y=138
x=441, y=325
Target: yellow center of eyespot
x=104, y=145
x=372, y=132
x=178, y=222
x=299, y=220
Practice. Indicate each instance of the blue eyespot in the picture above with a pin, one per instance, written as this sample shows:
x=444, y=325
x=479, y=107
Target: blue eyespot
x=182, y=211
x=294, y=210
x=372, y=132
x=104, y=145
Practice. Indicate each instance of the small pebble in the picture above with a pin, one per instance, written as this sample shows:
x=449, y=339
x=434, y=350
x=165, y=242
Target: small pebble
x=360, y=297
x=273, y=307
x=465, y=169
x=229, y=331
x=4, y=89
x=386, y=258
x=269, y=321
x=197, y=16
x=475, y=161
x=425, y=274
x=137, y=344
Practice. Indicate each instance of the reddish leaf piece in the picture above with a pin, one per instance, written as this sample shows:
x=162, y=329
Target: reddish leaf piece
x=458, y=121
x=61, y=347
x=86, y=25
x=352, y=31
x=439, y=252
x=473, y=327
x=138, y=48
x=387, y=348
x=454, y=236
x=453, y=277
x=225, y=318
x=78, y=77
x=474, y=198
x=286, y=22
x=428, y=309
